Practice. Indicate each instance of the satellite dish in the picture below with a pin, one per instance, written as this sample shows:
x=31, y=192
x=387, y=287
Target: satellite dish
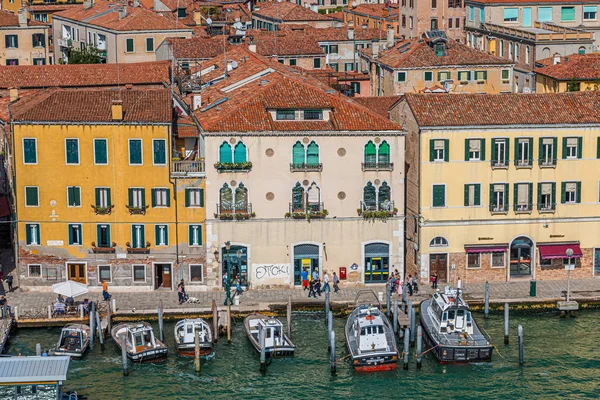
x=209, y=21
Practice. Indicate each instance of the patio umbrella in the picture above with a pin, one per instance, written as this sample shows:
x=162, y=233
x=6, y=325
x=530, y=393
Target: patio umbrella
x=70, y=288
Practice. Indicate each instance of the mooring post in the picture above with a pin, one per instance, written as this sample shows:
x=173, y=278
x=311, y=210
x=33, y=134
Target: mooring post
x=506, y=322
x=99, y=328
x=388, y=300
x=228, y=323
x=81, y=312
x=332, y=352
x=197, y=349
x=289, y=317
x=92, y=323
x=326, y=306
x=38, y=349
x=108, y=319
x=404, y=289
x=215, y=321
x=395, y=316
x=16, y=312
x=520, y=334
x=49, y=312
x=486, y=309
x=263, y=352
x=413, y=324
x=124, y=355
x=113, y=303
x=160, y=321
x=329, y=325
x=419, y=346
x=406, y=348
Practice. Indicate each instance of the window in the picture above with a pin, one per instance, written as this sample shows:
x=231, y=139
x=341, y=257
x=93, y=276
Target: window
x=334, y=66
x=40, y=17
x=567, y=14
x=481, y=75
x=428, y=76
x=194, y=197
x=523, y=152
x=464, y=76
x=439, y=196
x=410, y=22
x=75, y=235
x=472, y=194
x=29, y=151
x=527, y=53
x=438, y=150
x=225, y=153
x=73, y=196
x=510, y=50
x=544, y=14
x=138, y=239
x=457, y=25
x=12, y=61
x=547, y=152
x=103, y=235
x=474, y=149
x=195, y=235
x=11, y=41
x=473, y=260
x=348, y=66
x=298, y=198
x=312, y=154
x=35, y=270
x=129, y=45
x=161, y=233
x=471, y=13
x=39, y=61
x=499, y=197
x=581, y=50
x=481, y=14
x=571, y=192
x=196, y=273
x=72, y=151
x=433, y=3
x=511, y=14
x=161, y=197
x=32, y=196
x=137, y=197
x=523, y=197
x=160, y=153
x=292, y=61
x=317, y=63
x=150, y=45
x=444, y=76
x=289, y=115
x=546, y=196
x=103, y=197
x=498, y=260
x=499, y=153
x=438, y=241
x=505, y=75
x=139, y=273
x=403, y=21
x=225, y=199
x=135, y=151
x=572, y=147
x=401, y=76
x=313, y=114
x=516, y=51
x=501, y=46
x=32, y=233
x=590, y=12
x=38, y=40
x=104, y=273
x=100, y=151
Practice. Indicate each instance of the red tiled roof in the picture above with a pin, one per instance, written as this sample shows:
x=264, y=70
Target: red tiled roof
x=338, y=16
x=532, y=2
x=285, y=43
x=8, y=19
x=382, y=105
x=286, y=11
x=375, y=10
x=336, y=34
x=56, y=105
x=575, y=66
x=196, y=47
x=504, y=109
x=81, y=75
x=49, y=7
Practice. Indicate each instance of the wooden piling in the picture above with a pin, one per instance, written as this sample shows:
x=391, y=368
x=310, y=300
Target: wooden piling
x=413, y=324
x=404, y=289
x=419, y=346
x=108, y=319
x=215, y=321
x=92, y=324
x=506, y=322
x=406, y=348
x=228, y=323
x=99, y=329
x=387, y=300
x=395, y=316
x=38, y=349
x=326, y=305
x=486, y=307
x=81, y=311
x=160, y=321
x=197, y=349
x=332, y=352
x=289, y=317
x=113, y=303
x=16, y=313
x=329, y=325
x=520, y=335
x=124, y=355
x=263, y=351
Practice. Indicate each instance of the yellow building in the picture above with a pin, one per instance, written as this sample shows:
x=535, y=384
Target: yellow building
x=99, y=196
x=22, y=41
x=500, y=186
x=11, y=5
x=574, y=73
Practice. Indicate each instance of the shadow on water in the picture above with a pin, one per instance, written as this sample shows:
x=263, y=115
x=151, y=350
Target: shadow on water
x=562, y=358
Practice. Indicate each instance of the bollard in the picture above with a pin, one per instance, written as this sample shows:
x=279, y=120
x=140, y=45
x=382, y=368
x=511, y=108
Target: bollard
x=215, y=321
x=81, y=312
x=38, y=349
x=160, y=322
x=263, y=352
x=419, y=346
x=506, y=322
x=413, y=324
x=197, y=349
x=329, y=325
x=395, y=316
x=49, y=312
x=113, y=304
x=16, y=312
x=289, y=317
x=108, y=319
x=520, y=334
x=406, y=349
x=486, y=309
x=228, y=323
x=99, y=328
x=326, y=306
x=92, y=324
x=332, y=352
x=124, y=355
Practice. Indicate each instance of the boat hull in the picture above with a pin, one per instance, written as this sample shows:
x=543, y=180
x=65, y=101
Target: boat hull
x=149, y=355
x=270, y=352
x=190, y=351
x=373, y=364
x=72, y=354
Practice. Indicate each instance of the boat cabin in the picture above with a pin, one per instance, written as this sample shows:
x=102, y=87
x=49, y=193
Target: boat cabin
x=273, y=331
x=140, y=337
x=186, y=333
x=451, y=313
x=371, y=331
x=71, y=339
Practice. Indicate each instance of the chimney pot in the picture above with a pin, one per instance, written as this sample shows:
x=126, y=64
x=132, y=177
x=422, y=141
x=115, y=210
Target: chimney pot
x=22, y=15
x=117, y=110
x=556, y=59
x=14, y=94
x=252, y=47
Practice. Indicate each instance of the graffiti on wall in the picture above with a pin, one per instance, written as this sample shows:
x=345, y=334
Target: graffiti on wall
x=271, y=271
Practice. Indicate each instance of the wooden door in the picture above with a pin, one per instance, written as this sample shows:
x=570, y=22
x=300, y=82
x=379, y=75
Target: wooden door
x=166, y=276
x=438, y=263
x=76, y=272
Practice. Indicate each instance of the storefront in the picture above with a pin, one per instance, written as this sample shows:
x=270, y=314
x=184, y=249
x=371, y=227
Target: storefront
x=306, y=257
x=377, y=262
x=237, y=258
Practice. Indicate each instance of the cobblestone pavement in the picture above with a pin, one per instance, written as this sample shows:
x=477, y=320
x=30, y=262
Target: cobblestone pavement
x=511, y=291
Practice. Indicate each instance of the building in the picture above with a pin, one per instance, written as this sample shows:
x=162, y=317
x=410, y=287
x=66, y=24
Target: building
x=499, y=186
x=299, y=177
x=271, y=14
x=121, y=33
x=25, y=41
x=577, y=72
x=526, y=31
x=373, y=16
x=418, y=17
x=12, y=5
x=107, y=190
x=434, y=64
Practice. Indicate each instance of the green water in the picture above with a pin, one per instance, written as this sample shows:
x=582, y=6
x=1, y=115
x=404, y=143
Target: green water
x=562, y=359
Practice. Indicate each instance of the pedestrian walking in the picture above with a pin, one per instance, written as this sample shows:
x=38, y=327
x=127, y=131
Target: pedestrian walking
x=311, y=291
x=304, y=276
x=105, y=293
x=435, y=280
x=400, y=288
x=9, y=280
x=317, y=282
x=416, y=284
x=326, y=286
x=180, y=291
x=336, y=281
x=409, y=285
x=393, y=286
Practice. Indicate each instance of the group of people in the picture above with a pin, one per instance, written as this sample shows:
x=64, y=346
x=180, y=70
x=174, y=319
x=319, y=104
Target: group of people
x=313, y=285
x=396, y=284
x=62, y=305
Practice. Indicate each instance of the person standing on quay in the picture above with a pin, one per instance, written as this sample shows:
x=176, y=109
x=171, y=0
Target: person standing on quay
x=336, y=281
x=304, y=276
x=312, y=284
x=317, y=282
x=105, y=291
x=326, y=286
x=9, y=280
x=409, y=285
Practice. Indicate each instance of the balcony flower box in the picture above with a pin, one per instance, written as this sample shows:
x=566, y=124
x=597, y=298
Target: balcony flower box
x=103, y=210
x=137, y=210
x=233, y=167
x=138, y=250
x=378, y=214
x=104, y=250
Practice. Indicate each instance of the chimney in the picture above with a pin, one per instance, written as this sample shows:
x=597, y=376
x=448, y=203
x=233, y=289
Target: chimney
x=375, y=49
x=87, y=5
x=350, y=32
x=198, y=17
x=117, y=110
x=197, y=102
x=22, y=17
x=252, y=46
x=136, y=3
x=390, y=37
x=14, y=94
x=122, y=12
x=314, y=8
x=556, y=59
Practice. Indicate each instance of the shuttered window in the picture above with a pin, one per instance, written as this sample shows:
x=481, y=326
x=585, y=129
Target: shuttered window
x=544, y=14
x=138, y=240
x=439, y=195
x=72, y=149
x=567, y=14
x=298, y=154
x=384, y=197
x=511, y=14
x=546, y=196
x=159, y=147
x=161, y=197
x=369, y=197
x=161, y=233
x=137, y=197
x=103, y=235
x=370, y=153
x=32, y=196
x=194, y=197
x=383, y=157
x=225, y=155
x=129, y=46
x=75, y=236
x=298, y=197
x=474, y=149
x=103, y=197
x=438, y=149
x=32, y=233
x=100, y=151
x=135, y=151
x=572, y=147
x=195, y=235
x=312, y=154
x=472, y=195
x=570, y=192
x=29, y=151
x=74, y=196
x=239, y=153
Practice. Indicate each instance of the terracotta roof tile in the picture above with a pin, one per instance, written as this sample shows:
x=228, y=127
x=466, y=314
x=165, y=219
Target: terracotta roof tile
x=56, y=105
x=505, y=109
x=48, y=7
x=532, y=2
x=335, y=34
x=375, y=10
x=575, y=66
x=74, y=75
x=196, y=47
x=285, y=43
x=382, y=105
x=286, y=11
x=8, y=19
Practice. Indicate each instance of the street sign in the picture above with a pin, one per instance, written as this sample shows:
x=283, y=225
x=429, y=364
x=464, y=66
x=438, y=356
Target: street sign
x=570, y=267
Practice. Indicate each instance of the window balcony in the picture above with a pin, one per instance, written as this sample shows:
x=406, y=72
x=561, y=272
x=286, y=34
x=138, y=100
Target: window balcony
x=372, y=210
x=103, y=210
x=137, y=210
x=239, y=211
x=522, y=164
x=245, y=166
x=304, y=167
x=307, y=211
x=522, y=208
x=547, y=162
x=138, y=250
x=498, y=208
x=183, y=169
x=547, y=208
x=104, y=248
x=499, y=164
x=377, y=166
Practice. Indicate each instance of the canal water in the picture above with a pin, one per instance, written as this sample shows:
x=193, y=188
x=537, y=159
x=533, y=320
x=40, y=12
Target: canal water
x=562, y=359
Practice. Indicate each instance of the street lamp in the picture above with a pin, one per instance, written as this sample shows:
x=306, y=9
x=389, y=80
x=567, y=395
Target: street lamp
x=569, y=253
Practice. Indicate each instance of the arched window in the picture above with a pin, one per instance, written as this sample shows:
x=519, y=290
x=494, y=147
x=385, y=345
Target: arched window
x=369, y=197
x=241, y=198
x=370, y=153
x=438, y=241
x=313, y=197
x=581, y=50
x=384, y=197
x=384, y=153
x=225, y=153
x=298, y=154
x=239, y=153
x=226, y=199
x=312, y=154
x=546, y=52
x=298, y=198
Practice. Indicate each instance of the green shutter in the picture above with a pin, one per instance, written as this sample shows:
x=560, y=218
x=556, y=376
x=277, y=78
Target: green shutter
x=239, y=153
x=493, y=150
x=76, y=196
x=579, y=192
x=467, y=149
x=312, y=154
x=384, y=153
x=579, y=146
x=482, y=150
x=135, y=151
x=530, y=151
x=477, y=201
x=160, y=154
x=530, y=200
x=98, y=235
x=190, y=235
x=28, y=233
x=187, y=197
x=598, y=147
x=516, y=195
x=70, y=234
x=130, y=197
x=97, y=197
x=446, y=149
x=157, y=234
x=70, y=195
x=506, y=192
x=225, y=155
x=143, y=197
x=108, y=198
x=506, y=153
x=100, y=151
x=153, y=195
x=201, y=197
x=466, y=195
x=564, y=149
x=72, y=147
x=29, y=151
x=491, y=195
x=563, y=192
x=168, y=197
x=517, y=151
x=31, y=196
x=554, y=149
x=439, y=76
x=431, y=149
x=553, y=193
x=485, y=75
x=298, y=154
x=439, y=196
x=540, y=149
x=129, y=44
x=539, y=193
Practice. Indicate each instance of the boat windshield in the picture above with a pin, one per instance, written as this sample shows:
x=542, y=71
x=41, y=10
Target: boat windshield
x=190, y=329
x=460, y=319
x=451, y=314
x=371, y=330
x=138, y=339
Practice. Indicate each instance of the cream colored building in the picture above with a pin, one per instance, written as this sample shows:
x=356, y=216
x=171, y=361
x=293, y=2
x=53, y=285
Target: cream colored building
x=23, y=41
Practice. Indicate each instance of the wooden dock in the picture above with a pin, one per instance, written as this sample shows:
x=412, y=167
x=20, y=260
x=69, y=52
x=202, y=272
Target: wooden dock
x=5, y=327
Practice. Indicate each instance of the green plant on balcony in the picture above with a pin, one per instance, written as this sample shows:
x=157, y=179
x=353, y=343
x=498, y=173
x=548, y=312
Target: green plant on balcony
x=234, y=166
x=137, y=209
x=317, y=214
x=242, y=216
x=100, y=210
x=381, y=214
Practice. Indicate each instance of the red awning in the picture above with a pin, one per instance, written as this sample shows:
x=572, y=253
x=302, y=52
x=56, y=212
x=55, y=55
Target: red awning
x=486, y=249
x=550, y=251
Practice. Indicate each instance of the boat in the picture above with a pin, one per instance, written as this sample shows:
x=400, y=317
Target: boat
x=140, y=341
x=370, y=337
x=185, y=336
x=451, y=330
x=74, y=341
x=277, y=344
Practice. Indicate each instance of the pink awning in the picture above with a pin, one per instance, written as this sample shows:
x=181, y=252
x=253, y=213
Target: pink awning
x=486, y=249
x=550, y=251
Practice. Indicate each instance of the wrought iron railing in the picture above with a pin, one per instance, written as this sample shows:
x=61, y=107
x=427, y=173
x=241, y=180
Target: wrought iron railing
x=306, y=167
x=377, y=166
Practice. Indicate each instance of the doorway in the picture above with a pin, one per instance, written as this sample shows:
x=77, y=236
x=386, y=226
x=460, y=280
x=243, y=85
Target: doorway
x=237, y=256
x=438, y=263
x=306, y=256
x=520, y=257
x=77, y=273
x=162, y=276
x=377, y=262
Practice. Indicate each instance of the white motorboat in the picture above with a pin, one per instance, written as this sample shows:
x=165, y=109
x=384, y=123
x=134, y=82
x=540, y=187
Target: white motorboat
x=74, y=341
x=185, y=336
x=277, y=343
x=141, y=343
